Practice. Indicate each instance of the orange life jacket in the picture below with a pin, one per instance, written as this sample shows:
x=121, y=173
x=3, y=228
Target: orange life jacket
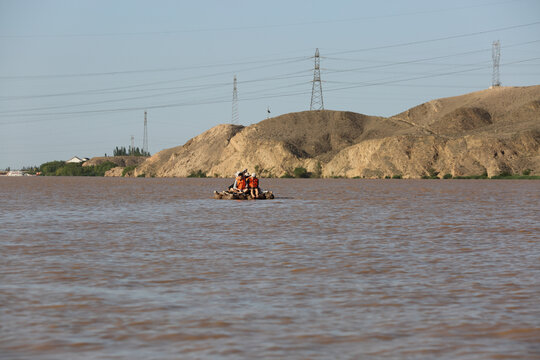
x=253, y=182
x=240, y=183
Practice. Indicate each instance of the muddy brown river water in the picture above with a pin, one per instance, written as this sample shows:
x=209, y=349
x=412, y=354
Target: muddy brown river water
x=113, y=268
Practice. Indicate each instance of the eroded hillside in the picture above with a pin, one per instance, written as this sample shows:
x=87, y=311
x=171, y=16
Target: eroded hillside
x=490, y=131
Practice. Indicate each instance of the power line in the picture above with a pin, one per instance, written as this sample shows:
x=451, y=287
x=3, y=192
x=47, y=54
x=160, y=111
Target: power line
x=183, y=89
x=423, y=76
x=423, y=60
x=262, y=61
x=287, y=76
x=442, y=86
x=216, y=101
x=188, y=78
x=278, y=60
x=123, y=89
x=371, y=67
x=436, y=39
x=286, y=60
x=129, y=72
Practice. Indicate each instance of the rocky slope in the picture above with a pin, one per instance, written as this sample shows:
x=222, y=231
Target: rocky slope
x=490, y=131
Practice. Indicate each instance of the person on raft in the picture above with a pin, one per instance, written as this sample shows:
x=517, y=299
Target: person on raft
x=240, y=184
x=253, y=184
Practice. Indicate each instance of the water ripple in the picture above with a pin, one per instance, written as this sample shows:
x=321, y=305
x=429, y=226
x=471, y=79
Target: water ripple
x=156, y=269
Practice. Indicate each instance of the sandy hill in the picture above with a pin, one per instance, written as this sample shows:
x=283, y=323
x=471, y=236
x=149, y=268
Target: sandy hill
x=502, y=106
x=495, y=130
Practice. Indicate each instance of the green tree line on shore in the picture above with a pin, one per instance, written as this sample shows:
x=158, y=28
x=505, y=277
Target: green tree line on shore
x=131, y=151
x=61, y=168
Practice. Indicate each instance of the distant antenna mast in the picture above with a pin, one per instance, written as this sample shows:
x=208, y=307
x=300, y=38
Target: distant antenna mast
x=496, y=55
x=235, y=115
x=132, y=145
x=316, y=90
x=145, y=137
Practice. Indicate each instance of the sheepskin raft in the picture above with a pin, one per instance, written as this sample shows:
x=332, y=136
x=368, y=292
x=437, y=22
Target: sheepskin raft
x=225, y=195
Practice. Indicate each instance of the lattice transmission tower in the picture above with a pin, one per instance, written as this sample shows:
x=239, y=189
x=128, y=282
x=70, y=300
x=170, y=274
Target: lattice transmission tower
x=145, y=137
x=496, y=56
x=316, y=90
x=235, y=115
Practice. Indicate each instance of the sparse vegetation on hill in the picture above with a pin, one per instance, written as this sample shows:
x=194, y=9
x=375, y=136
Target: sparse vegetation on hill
x=197, y=174
x=301, y=172
x=122, y=161
x=128, y=170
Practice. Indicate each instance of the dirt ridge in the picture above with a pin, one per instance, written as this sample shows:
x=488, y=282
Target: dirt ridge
x=489, y=131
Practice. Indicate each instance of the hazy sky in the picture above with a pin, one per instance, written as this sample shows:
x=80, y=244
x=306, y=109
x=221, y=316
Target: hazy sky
x=76, y=76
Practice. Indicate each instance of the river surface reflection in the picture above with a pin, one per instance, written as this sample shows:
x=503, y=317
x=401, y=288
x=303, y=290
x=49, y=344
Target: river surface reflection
x=114, y=268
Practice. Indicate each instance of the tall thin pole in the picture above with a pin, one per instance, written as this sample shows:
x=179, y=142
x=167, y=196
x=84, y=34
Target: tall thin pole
x=316, y=89
x=235, y=115
x=145, y=137
x=496, y=56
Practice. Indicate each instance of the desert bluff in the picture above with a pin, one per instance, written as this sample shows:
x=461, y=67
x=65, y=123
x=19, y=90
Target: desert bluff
x=491, y=131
